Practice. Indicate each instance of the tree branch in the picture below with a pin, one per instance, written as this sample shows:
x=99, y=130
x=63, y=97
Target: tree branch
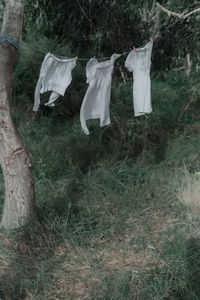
x=83, y=11
x=192, y=12
x=171, y=13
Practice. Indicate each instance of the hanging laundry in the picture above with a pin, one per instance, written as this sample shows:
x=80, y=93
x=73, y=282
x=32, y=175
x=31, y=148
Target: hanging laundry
x=139, y=62
x=55, y=76
x=96, y=101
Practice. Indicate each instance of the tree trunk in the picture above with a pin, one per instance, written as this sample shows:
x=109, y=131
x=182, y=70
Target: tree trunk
x=188, y=64
x=19, y=203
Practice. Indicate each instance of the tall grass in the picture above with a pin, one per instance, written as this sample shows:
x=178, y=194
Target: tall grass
x=114, y=214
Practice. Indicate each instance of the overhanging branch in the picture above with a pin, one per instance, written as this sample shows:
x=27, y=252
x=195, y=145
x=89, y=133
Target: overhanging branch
x=171, y=13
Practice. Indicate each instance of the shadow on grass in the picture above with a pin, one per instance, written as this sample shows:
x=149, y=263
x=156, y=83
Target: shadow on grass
x=28, y=258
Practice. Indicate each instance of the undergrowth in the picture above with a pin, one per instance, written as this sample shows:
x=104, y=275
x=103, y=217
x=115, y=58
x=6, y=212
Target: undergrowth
x=112, y=223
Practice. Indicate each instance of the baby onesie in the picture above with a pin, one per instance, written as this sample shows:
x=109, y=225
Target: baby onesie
x=55, y=76
x=96, y=101
x=139, y=62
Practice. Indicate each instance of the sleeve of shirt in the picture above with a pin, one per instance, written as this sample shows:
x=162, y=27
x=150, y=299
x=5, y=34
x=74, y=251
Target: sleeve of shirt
x=39, y=83
x=129, y=61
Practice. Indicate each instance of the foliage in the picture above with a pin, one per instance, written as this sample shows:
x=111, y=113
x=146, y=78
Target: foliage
x=86, y=25
x=102, y=27
x=179, y=40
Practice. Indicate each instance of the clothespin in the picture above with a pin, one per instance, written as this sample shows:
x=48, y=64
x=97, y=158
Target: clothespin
x=133, y=49
x=151, y=40
x=76, y=58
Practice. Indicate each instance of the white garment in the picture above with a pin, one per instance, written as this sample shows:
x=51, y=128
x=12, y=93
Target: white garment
x=55, y=76
x=97, y=98
x=139, y=62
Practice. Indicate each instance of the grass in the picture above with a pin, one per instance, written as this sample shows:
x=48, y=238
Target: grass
x=114, y=222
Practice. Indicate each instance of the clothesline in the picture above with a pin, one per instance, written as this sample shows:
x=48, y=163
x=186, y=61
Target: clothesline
x=156, y=36
x=56, y=76
x=16, y=44
x=9, y=39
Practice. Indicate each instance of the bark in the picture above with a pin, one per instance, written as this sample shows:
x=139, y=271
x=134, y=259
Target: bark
x=19, y=204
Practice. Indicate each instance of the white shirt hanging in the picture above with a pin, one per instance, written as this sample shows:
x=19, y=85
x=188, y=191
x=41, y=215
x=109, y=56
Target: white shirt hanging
x=55, y=76
x=96, y=101
x=139, y=62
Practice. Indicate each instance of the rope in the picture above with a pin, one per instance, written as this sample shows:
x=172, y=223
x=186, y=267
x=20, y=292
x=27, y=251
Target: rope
x=16, y=43
x=100, y=58
x=127, y=52
x=168, y=27
x=64, y=57
x=9, y=39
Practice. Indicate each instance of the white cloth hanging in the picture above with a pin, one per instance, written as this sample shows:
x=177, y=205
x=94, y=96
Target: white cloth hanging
x=139, y=62
x=96, y=101
x=55, y=76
